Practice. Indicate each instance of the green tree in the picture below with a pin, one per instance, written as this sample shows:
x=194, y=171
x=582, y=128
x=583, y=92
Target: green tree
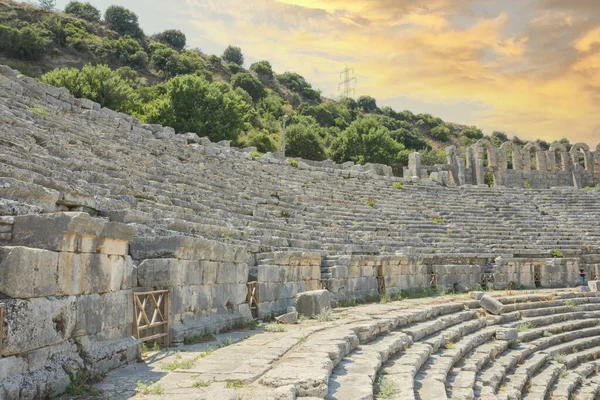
x=409, y=139
x=173, y=38
x=259, y=138
x=368, y=104
x=250, y=84
x=303, y=140
x=298, y=84
x=83, y=10
x=123, y=21
x=264, y=71
x=193, y=104
x=127, y=50
x=29, y=43
x=47, y=4
x=441, y=133
x=98, y=83
x=365, y=141
x=233, y=54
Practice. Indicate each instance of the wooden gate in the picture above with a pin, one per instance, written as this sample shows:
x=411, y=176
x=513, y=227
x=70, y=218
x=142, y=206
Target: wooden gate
x=156, y=303
x=252, y=297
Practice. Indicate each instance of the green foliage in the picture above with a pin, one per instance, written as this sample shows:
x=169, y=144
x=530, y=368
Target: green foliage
x=98, y=83
x=405, y=136
x=438, y=220
x=556, y=254
x=370, y=202
x=528, y=185
x=368, y=104
x=143, y=348
x=325, y=316
x=199, y=384
x=123, y=21
x=233, y=54
x=398, y=185
x=263, y=69
x=233, y=67
x=441, y=133
x=29, y=42
x=173, y=38
x=293, y=163
x=255, y=154
x=303, y=140
x=129, y=51
x=150, y=388
x=546, y=198
x=570, y=303
x=365, y=141
x=79, y=385
x=170, y=63
x=275, y=327
x=250, y=84
x=387, y=388
x=261, y=139
x=83, y=10
x=155, y=347
x=192, y=104
x=296, y=83
x=40, y=111
x=237, y=384
x=513, y=344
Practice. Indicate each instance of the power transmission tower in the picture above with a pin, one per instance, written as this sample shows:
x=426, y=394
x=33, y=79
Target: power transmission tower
x=346, y=79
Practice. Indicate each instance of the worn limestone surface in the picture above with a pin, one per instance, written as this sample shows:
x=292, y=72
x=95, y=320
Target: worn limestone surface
x=95, y=205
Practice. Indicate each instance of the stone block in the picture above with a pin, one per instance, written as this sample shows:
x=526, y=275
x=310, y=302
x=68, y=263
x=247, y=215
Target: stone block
x=312, y=303
x=169, y=272
x=477, y=295
x=115, y=238
x=184, y=247
x=287, y=318
x=29, y=193
x=270, y=273
x=35, y=323
x=507, y=334
x=27, y=273
x=209, y=272
x=594, y=286
x=104, y=273
x=491, y=305
x=69, y=231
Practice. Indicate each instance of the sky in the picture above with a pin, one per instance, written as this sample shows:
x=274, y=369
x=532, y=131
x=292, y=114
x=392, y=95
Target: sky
x=529, y=68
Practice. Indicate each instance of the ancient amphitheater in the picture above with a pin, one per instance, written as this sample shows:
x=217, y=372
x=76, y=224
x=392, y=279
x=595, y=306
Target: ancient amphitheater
x=97, y=209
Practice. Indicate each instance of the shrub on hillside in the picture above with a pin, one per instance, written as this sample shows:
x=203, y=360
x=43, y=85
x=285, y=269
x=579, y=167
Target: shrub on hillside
x=83, y=10
x=368, y=104
x=441, y=133
x=233, y=67
x=233, y=54
x=98, y=83
x=123, y=21
x=173, y=38
x=249, y=83
x=193, y=104
x=29, y=42
x=303, y=140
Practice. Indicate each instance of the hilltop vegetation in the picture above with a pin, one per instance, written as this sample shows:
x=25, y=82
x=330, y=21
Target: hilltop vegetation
x=108, y=58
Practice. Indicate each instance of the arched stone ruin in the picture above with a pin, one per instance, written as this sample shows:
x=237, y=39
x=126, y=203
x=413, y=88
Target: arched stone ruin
x=96, y=206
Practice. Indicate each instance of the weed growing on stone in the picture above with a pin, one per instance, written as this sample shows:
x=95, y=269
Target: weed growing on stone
x=525, y=327
x=513, y=344
x=79, y=385
x=557, y=254
x=303, y=318
x=151, y=388
x=205, y=337
x=563, y=373
x=302, y=339
x=325, y=316
x=559, y=358
x=528, y=185
x=398, y=185
x=276, y=328
x=200, y=384
x=386, y=388
x=449, y=345
x=227, y=342
x=156, y=347
x=293, y=163
x=143, y=349
x=226, y=236
x=370, y=202
x=255, y=154
x=546, y=198
x=237, y=384
x=40, y=111
x=570, y=303
x=386, y=298
x=145, y=196
x=547, y=334
x=438, y=220
x=418, y=293
x=251, y=325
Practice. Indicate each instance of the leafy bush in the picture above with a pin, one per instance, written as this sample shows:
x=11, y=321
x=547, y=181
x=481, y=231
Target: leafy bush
x=123, y=21
x=303, y=140
x=233, y=67
x=98, y=83
x=192, y=104
x=29, y=42
x=83, y=10
x=368, y=104
x=261, y=139
x=173, y=38
x=263, y=69
x=296, y=83
x=128, y=51
x=441, y=133
x=557, y=254
x=250, y=84
x=398, y=185
x=233, y=54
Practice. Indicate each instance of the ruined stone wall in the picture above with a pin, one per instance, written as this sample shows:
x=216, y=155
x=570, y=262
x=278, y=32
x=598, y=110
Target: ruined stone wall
x=529, y=167
x=67, y=284
x=536, y=272
x=282, y=275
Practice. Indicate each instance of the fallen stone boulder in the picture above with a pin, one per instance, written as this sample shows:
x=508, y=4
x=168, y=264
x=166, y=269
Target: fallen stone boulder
x=288, y=318
x=507, y=334
x=312, y=303
x=491, y=305
x=594, y=286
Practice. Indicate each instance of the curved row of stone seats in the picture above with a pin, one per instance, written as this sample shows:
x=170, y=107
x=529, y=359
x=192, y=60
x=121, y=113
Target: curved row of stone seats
x=196, y=180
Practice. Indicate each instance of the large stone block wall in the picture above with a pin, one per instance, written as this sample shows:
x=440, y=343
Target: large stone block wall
x=282, y=275
x=206, y=282
x=536, y=272
x=65, y=282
